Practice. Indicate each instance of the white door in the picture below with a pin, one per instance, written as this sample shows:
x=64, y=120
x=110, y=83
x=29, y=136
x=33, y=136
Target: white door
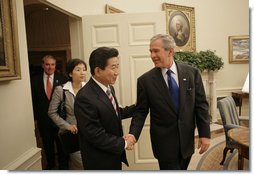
x=130, y=34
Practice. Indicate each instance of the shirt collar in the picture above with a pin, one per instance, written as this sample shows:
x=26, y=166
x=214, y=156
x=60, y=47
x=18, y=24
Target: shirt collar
x=172, y=68
x=68, y=86
x=46, y=76
x=103, y=87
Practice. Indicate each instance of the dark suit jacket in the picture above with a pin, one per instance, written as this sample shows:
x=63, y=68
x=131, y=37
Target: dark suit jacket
x=41, y=101
x=100, y=129
x=172, y=133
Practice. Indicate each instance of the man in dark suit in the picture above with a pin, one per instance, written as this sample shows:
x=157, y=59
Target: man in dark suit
x=99, y=115
x=172, y=124
x=41, y=98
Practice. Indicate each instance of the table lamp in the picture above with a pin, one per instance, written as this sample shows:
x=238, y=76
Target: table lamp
x=245, y=88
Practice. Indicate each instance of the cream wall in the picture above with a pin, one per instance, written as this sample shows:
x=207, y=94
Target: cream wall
x=18, y=143
x=215, y=21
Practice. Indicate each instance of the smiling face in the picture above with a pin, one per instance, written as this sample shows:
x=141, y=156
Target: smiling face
x=108, y=75
x=49, y=65
x=161, y=58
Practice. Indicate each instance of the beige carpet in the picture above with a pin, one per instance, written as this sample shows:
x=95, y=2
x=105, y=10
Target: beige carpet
x=210, y=161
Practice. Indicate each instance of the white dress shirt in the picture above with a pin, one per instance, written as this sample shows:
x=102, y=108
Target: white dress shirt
x=174, y=73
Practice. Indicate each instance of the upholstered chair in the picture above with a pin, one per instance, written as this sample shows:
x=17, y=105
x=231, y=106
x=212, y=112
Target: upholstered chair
x=230, y=119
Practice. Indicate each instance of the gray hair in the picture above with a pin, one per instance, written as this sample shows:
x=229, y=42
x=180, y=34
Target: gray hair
x=46, y=57
x=168, y=41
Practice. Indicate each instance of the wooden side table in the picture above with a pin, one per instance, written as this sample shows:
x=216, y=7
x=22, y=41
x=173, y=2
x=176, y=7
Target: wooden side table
x=241, y=137
x=238, y=98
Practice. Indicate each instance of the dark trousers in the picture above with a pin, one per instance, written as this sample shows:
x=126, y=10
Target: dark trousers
x=50, y=140
x=179, y=164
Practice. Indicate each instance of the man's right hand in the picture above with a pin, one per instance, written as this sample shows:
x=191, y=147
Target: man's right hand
x=131, y=140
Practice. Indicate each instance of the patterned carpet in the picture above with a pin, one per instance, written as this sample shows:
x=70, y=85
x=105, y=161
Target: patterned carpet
x=210, y=161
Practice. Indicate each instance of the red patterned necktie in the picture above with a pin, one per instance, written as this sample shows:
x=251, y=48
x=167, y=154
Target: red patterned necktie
x=111, y=98
x=48, y=87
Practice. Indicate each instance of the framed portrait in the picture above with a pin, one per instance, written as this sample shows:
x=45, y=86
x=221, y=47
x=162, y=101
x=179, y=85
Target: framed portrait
x=9, y=52
x=181, y=26
x=239, y=49
x=110, y=9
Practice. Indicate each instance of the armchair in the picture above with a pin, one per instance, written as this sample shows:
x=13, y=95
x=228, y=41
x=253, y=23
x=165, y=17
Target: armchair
x=230, y=119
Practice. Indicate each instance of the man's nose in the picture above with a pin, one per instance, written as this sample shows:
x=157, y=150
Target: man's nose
x=152, y=55
x=117, y=72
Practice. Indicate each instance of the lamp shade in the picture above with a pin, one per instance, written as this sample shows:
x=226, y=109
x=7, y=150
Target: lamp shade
x=246, y=85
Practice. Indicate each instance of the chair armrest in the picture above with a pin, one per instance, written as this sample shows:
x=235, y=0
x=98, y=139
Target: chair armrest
x=244, y=118
x=231, y=126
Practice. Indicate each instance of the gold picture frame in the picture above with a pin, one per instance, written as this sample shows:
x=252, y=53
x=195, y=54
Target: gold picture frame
x=109, y=9
x=181, y=26
x=239, y=49
x=9, y=52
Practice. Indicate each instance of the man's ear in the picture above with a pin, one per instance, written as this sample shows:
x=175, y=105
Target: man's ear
x=97, y=71
x=171, y=52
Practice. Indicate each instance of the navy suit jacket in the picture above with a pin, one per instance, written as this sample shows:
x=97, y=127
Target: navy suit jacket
x=41, y=101
x=100, y=129
x=172, y=132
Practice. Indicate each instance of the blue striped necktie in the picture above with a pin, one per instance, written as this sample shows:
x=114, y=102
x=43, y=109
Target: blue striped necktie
x=173, y=89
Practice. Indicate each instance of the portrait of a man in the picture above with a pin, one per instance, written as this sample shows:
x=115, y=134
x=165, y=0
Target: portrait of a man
x=179, y=28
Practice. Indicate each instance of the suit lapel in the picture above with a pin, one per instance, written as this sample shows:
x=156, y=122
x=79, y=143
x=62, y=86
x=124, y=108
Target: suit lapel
x=57, y=80
x=183, y=79
x=102, y=96
x=41, y=86
x=162, y=87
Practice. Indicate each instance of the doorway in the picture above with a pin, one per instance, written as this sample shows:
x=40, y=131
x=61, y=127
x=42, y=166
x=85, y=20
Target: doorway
x=48, y=33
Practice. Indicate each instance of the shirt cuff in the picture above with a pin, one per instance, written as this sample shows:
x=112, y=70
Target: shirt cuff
x=126, y=144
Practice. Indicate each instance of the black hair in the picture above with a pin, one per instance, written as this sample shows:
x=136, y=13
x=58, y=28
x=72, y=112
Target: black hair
x=100, y=56
x=72, y=64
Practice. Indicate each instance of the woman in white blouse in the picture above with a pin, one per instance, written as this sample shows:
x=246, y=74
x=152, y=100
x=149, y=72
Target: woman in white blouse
x=76, y=73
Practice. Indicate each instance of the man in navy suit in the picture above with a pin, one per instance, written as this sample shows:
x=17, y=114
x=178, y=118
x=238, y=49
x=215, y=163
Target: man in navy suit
x=171, y=126
x=41, y=99
x=99, y=115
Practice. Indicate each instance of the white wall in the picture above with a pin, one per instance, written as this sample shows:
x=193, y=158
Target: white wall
x=215, y=20
x=16, y=114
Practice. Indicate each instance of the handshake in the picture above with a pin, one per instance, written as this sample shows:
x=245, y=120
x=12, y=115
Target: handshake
x=131, y=140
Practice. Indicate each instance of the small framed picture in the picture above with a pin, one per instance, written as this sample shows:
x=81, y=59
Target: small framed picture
x=239, y=49
x=109, y=9
x=181, y=26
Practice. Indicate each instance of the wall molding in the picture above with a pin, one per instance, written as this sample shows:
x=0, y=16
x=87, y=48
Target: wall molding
x=227, y=91
x=30, y=160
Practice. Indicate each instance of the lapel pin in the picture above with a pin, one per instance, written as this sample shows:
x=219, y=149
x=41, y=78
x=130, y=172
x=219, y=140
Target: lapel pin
x=184, y=79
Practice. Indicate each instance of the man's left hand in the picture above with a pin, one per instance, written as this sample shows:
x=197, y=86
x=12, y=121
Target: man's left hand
x=203, y=144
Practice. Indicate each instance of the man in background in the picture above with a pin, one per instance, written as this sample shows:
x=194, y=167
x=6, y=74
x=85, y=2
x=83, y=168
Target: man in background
x=42, y=88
